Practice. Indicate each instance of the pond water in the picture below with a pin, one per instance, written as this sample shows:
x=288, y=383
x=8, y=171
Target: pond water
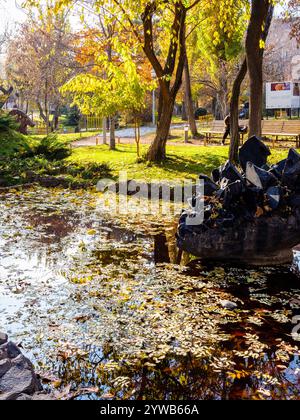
x=100, y=305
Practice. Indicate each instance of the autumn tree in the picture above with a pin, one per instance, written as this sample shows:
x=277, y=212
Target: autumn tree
x=261, y=17
x=104, y=43
x=169, y=69
x=219, y=44
x=120, y=88
x=293, y=17
x=40, y=59
x=258, y=29
x=97, y=41
x=148, y=21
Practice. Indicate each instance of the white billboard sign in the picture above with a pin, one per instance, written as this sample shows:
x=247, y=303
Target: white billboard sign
x=282, y=95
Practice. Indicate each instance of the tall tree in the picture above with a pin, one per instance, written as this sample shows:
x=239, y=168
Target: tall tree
x=257, y=34
x=234, y=113
x=40, y=59
x=293, y=18
x=261, y=17
x=149, y=21
x=220, y=42
x=119, y=88
x=188, y=93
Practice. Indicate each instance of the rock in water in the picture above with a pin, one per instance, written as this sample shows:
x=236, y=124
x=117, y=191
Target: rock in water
x=209, y=186
x=17, y=377
x=253, y=218
x=255, y=151
x=232, y=193
x=294, y=200
x=3, y=338
x=228, y=305
x=278, y=169
x=274, y=196
x=230, y=172
x=259, y=177
x=291, y=170
x=216, y=175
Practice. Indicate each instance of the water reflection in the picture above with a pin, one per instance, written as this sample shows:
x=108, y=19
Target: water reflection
x=108, y=308
x=296, y=263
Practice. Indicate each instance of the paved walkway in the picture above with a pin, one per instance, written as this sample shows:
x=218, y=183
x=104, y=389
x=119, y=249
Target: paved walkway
x=127, y=136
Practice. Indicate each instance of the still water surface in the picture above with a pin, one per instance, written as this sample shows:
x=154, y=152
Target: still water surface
x=102, y=309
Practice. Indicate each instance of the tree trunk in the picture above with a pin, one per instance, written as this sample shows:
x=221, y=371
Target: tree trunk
x=184, y=115
x=157, y=151
x=104, y=123
x=112, y=139
x=234, y=113
x=56, y=119
x=41, y=111
x=189, y=100
x=137, y=136
x=174, y=66
x=261, y=16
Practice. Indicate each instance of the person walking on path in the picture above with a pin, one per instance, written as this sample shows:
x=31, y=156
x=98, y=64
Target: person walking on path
x=242, y=130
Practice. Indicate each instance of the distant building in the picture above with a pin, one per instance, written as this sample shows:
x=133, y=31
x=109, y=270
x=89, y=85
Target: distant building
x=279, y=53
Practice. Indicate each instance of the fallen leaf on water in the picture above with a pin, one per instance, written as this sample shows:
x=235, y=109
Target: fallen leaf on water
x=91, y=232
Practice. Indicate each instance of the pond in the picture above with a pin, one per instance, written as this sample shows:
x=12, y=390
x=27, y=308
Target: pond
x=100, y=304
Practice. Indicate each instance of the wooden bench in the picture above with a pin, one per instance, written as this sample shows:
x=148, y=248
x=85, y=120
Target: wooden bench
x=279, y=129
x=218, y=128
x=276, y=129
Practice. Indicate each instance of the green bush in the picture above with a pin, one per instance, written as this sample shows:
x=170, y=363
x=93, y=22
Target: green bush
x=18, y=170
x=52, y=148
x=14, y=144
x=73, y=117
x=7, y=122
x=89, y=171
x=24, y=159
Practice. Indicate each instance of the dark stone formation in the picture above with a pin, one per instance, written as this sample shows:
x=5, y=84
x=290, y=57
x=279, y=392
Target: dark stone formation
x=266, y=167
x=18, y=380
x=230, y=172
x=291, y=170
x=216, y=175
x=3, y=338
x=273, y=197
x=209, y=186
x=278, y=169
x=294, y=200
x=232, y=192
x=255, y=151
x=252, y=217
x=259, y=177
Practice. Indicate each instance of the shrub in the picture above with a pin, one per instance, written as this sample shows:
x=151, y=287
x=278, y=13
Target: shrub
x=7, y=122
x=52, y=148
x=91, y=171
x=73, y=117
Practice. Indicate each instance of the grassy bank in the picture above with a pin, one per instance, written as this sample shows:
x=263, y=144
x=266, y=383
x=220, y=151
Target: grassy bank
x=184, y=162
x=26, y=159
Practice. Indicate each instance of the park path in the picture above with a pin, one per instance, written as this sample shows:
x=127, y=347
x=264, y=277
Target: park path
x=126, y=136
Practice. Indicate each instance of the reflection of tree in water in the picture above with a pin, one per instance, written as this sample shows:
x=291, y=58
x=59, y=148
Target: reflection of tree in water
x=183, y=378
x=156, y=329
x=239, y=355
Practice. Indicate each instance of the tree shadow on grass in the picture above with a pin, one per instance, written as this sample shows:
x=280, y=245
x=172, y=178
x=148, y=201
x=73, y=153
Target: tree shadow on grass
x=198, y=164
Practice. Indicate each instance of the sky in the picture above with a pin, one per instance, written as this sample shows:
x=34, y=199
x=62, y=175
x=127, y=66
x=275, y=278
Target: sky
x=10, y=12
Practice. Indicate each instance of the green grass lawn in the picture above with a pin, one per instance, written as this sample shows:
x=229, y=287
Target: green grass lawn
x=183, y=162
x=70, y=137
